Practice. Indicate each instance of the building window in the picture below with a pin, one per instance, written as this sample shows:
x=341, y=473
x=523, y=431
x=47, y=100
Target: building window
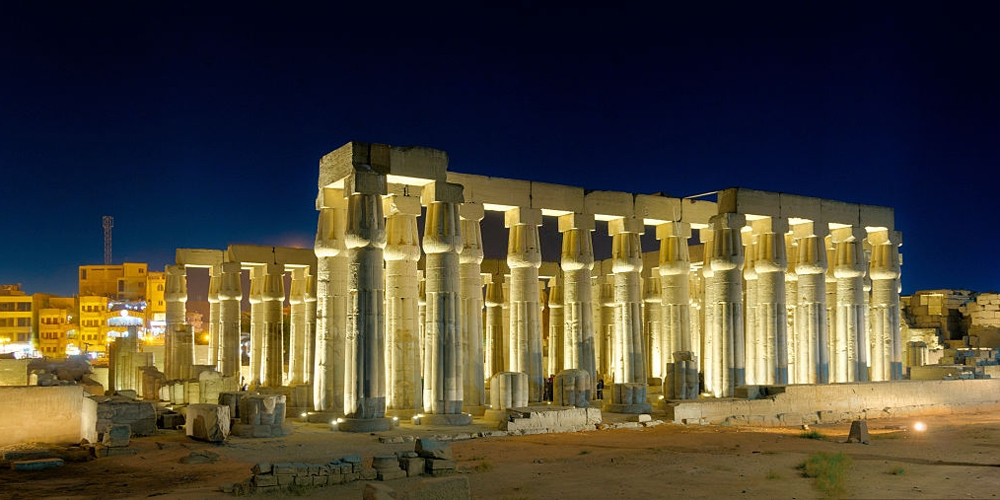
x=83, y=274
x=24, y=306
x=23, y=321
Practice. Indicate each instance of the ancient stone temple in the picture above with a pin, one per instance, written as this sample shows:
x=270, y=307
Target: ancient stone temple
x=414, y=316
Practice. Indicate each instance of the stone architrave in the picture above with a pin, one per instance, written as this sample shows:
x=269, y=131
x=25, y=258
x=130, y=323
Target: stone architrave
x=471, y=295
x=813, y=361
x=726, y=259
x=675, y=308
x=179, y=342
x=770, y=264
x=402, y=282
x=273, y=297
x=849, y=352
x=577, y=261
x=364, y=360
x=886, y=343
x=524, y=258
x=230, y=295
x=331, y=303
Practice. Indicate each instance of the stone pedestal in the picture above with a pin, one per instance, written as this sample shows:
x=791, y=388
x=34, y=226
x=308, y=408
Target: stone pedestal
x=628, y=398
x=572, y=388
x=207, y=422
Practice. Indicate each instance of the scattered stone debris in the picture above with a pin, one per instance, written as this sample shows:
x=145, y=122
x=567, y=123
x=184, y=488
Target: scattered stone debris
x=36, y=464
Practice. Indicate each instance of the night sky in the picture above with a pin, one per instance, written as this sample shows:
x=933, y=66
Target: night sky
x=201, y=126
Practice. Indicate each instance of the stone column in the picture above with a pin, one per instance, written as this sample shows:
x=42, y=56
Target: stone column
x=310, y=329
x=831, y=307
x=273, y=296
x=471, y=314
x=444, y=363
x=331, y=305
x=402, y=282
x=604, y=350
x=495, y=348
x=557, y=327
x=674, y=270
x=364, y=362
x=256, y=326
x=758, y=368
x=812, y=336
x=297, y=327
x=213, y=318
x=628, y=360
x=178, y=341
x=886, y=342
x=849, y=363
x=653, y=337
x=710, y=356
x=727, y=314
x=771, y=264
x=230, y=295
x=577, y=261
x=524, y=258
x=791, y=311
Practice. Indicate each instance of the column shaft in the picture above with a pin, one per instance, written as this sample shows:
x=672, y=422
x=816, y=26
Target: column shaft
x=850, y=347
x=577, y=261
x=443, y=384
x=627, y=356
x=402, y=283
x=726, y=261
x=213, y=319
x=331, y=307
x=297, y=328
x=256, y=326
x=524, y=258
x=494, y=328
x=230, y=295
x=273, y=296
x=471, y=315
x=179, y=344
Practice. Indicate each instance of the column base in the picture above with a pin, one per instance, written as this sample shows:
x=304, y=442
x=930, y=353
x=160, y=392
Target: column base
x=362, y=424
x=443, y=419
x=627, y=407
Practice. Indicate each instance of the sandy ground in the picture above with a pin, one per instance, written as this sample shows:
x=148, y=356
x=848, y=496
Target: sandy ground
x=958, y=456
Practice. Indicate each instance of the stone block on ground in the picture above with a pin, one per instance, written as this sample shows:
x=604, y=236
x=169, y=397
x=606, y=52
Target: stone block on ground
x=439, y=467
x=208, y=422
x=429, y=448
x=117, y=436
x=859, y=433
x=443, y=488
x=36, y=464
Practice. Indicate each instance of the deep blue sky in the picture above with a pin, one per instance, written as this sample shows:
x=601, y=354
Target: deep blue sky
x=201, y=126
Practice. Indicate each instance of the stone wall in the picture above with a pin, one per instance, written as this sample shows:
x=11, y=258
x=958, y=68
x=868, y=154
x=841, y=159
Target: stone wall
x=59, y=414
x=14, y=372
x=939, y=309
x=805, y=404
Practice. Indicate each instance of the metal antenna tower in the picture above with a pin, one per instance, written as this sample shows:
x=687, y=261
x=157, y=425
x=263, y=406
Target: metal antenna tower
x=108, y=222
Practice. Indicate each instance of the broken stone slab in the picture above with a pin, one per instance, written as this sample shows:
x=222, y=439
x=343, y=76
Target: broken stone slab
x=429, y=448
x=207, y=422
x=439, y=467
x=443, y=488
x=117, y=436
x=36, y=464
x=413, y=466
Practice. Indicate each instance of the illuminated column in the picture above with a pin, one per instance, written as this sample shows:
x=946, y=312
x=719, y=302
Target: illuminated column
x=444, y=364
x=812, y=336
x=422, y=321
x=213, y=318
x=273, y=295
x=756, y=349
x=771, y=264
x=886, y=342
x=230, y=295
x=495, y=348
x=696, y=292
x=256, y=326
x=471, y=317
x=849, y=363
x=607, y=330
x=309, y=348
x=179, y=344
x=577, y=261
x=364, y=362
x=710, y=354
x=557, y=327
x=791, y=310
x=674, y=270
x=831, y=308
x=727, y=314
x=629, y=389
x=331, y=303
x=402, y=283
x=524, y=258
x=297, y=327
x=653, y=337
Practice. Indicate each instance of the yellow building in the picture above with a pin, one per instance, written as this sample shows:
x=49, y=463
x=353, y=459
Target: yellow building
x=54, y=326
x=156, y=305
x=92, y=333
x=16, y=320
x=126, y=282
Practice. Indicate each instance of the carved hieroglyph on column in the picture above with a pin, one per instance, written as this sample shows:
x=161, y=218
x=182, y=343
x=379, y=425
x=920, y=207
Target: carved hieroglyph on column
x=230, y=295
x=772, y=316
x=179, y=343
x=812, y=336
x=627, y=358
x=577, y=261
x=471, y=259
x=402, y=282
x=273, y=295
x=495, y=348
x=297, y=327
x=886, y=344
x=727, y=307
x=674, y=269
x=331, y=305
x=444, y=363
x=364, y=362
x=524, y=258
x=849, y=362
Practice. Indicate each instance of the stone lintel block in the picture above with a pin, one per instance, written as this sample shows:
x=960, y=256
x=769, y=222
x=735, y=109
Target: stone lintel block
x=495, y=193
x=442, y=191
x=749, y=201
x=365, y=182
x=409, y=163
x=522, y=215
x=576, y=220
x=609, y=204
x=556, y=197
x=729, y=221
x=673, y=230
x=656, y=209
x=876, y=216
x=810, y=228
x=794, y=206
x=396, y=204
x=471, y=211
x=198, y=257
x=625, y=225
x=853, y=233
x=840, y=212
x=777, y=225
x=698, y=212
